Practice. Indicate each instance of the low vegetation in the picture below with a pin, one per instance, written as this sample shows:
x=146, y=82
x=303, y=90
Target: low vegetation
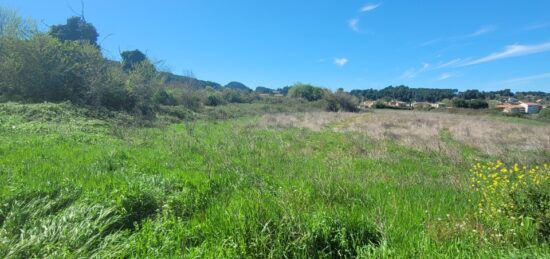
x=78, y=184
x=108, y=158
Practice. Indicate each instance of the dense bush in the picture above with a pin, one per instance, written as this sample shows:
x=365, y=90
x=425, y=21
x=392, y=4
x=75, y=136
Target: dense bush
x=45, y=69
x=305, y=91
x=341, y=101
x=471, y=104
x=76, y=29
x=544, y=115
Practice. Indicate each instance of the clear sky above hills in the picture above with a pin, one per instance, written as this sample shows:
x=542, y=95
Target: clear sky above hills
x=352, y=44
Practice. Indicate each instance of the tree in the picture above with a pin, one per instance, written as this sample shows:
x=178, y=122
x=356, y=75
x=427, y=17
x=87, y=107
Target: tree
x=14, y=26
x=76, y=29
x=45, y=69
x=143, y=82
x=131, y=58
x=305, y=91
x=471, y=94
x=264, y=90
x=340, y=101
x=471, y=104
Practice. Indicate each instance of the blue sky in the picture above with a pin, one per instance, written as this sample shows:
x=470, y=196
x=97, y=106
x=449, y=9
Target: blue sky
x=466, y=44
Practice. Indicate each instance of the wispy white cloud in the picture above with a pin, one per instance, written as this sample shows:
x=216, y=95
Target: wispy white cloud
x=451, y=63
x=515, y=50
x=526, y=79
x=354, y=24
x=444, y=76
x=413, y=72
x=341, y=61
x=537, y=26
x=369, y=7
x=481, y=31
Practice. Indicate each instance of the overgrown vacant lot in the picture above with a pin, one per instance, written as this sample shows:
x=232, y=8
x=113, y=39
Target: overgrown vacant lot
x=507, y=138
x=384, y=184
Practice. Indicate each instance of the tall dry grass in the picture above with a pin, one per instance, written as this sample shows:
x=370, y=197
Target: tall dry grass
x=431, y=131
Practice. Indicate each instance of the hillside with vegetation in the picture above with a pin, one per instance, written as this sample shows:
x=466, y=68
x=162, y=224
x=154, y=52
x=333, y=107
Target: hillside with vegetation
x=105, y=158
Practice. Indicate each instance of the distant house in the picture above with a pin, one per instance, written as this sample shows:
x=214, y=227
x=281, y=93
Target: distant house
x=514, y=109
x=397, y=104
x=531, y=107
x=421, y=105
x=439, y=105
x=366, y=104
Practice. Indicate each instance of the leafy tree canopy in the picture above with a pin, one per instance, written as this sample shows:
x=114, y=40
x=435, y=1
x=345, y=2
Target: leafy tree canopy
x=306, y=91
x=264, y=90
x=76, y=29
x=14, y=26
x=131, y=58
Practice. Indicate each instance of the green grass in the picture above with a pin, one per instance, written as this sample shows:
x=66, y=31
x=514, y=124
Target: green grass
x=79, y=187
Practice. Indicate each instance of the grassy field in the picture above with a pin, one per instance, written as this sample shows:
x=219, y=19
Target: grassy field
x=379, y=184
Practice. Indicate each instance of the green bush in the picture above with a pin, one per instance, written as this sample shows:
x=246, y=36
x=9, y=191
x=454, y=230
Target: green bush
x=471, y=104
x=305, y=91
x=544, y=115
x=214, y=100
x=45, y=69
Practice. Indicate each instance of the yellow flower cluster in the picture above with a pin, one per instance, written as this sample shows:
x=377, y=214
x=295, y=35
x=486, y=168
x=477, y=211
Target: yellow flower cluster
x=496, y=182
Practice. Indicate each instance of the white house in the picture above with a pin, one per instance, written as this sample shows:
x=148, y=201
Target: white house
x=531, y=107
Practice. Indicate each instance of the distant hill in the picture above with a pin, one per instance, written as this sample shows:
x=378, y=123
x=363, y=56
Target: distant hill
x=189, y=81
x=238, y=86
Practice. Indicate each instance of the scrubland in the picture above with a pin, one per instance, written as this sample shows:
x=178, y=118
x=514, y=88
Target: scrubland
x=385, y=184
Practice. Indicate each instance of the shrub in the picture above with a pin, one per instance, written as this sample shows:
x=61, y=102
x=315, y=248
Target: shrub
x=472, y=104
x=305, y=91
x=513, y=198
x=45, y=69
x=214, y=100
x=341, y=101
x=544, y=115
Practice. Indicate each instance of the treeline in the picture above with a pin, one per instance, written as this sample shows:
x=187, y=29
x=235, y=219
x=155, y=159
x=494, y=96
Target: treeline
x=406, y=94
x=66, y=64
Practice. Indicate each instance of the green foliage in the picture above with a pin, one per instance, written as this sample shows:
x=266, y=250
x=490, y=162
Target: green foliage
x=132, y=58
x=470, y=104
x=515, y=201
x=75, y=29
x=137, y=206
x=237, y=96
x=305, y=91
x=45, y=69
x=214, y=99
x=164, y=97
x=406, y=94
x=264, y=90
x=77, y=187
x=544, y=115
x=12, y=25
x=142, y=83
x=341, y=101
